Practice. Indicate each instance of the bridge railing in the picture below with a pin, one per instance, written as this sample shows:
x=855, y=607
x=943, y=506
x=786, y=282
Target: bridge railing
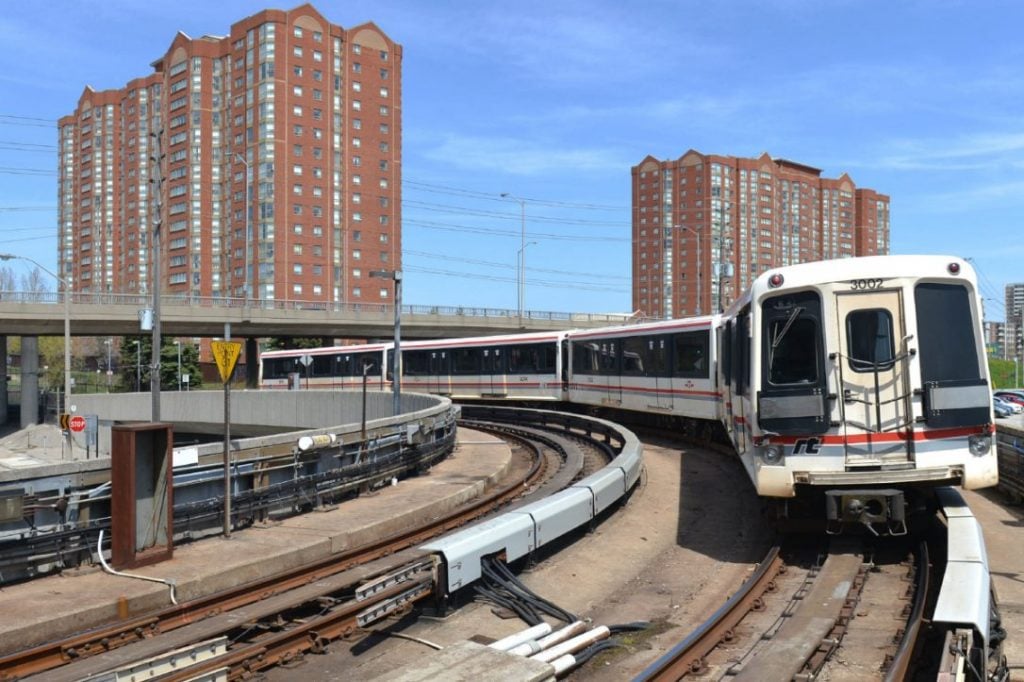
x=139, y=301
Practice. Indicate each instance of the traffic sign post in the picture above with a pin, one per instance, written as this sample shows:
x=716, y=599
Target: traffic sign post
x=226, y=354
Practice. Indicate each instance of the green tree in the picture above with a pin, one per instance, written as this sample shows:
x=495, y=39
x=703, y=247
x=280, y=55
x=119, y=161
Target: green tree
x=169, y=365
x=290, y=342
x=136, y=356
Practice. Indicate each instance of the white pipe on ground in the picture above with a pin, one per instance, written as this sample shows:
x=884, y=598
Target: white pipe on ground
x=572, y=645
x=560, y=635
x=521, y=636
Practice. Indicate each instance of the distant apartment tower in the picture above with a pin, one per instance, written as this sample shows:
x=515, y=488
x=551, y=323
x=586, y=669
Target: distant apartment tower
x=705, y=225
x=1013, y=332
x=281, y=173
x=994, y=335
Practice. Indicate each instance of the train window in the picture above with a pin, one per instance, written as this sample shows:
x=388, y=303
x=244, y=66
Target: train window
x=584, y=357
x=741, y=369
x=946, y=333
x=726, y=353
x=690, y=356
x=658, y=355
x=494, y=361
x=465, y=361
x=368, y=362
x=531, y=359
x=869, y=340
x=415, y=363
x=276, y=368
x=634, y=354
x=792, y=344
x=322, y=366
x=608, y=358
x=363, y=360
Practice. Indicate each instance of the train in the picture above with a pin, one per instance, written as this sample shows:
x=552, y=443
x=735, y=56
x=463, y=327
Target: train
x=846, y=384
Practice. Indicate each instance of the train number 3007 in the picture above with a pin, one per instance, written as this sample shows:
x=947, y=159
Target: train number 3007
x=865, y=284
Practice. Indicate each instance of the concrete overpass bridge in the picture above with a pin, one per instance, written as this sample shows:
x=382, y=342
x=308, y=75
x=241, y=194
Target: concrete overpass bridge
x=42, y=314
x=33, y=314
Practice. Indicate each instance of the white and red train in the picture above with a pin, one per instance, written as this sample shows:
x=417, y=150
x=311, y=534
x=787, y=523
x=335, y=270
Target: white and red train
x=853, y=380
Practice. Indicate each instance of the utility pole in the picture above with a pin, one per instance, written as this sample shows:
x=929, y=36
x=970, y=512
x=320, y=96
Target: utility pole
x=156, y=180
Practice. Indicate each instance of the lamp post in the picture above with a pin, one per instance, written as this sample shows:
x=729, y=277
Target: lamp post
x=138, y=366
x=396, y=378
x=521, y=262
x=67, y=323
x=108, y=343
x=520, y=265
x=177, y=342
x=248, y=201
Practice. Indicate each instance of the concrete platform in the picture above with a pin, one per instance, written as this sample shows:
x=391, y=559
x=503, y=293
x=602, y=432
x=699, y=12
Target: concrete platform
x=55, y=606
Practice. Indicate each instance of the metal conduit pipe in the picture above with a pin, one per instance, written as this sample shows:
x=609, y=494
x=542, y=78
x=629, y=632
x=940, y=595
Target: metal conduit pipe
x=106, y=567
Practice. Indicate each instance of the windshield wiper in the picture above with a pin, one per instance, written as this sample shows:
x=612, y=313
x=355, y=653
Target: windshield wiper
x=779, y=336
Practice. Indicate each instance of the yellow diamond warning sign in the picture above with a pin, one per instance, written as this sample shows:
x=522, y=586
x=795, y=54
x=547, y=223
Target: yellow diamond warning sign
x=226, y=354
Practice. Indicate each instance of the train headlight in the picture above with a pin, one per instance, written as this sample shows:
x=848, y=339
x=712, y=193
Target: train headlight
x=772, y=454
x=980, y=445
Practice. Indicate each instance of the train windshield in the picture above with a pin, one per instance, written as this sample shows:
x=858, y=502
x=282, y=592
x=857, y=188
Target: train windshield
x=869, y=340
x=793, y=349
x=956, y=391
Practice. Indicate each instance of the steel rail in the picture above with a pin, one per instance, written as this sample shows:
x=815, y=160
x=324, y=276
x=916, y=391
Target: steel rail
x=688, y=656
x=899, y=666
x=59, y=652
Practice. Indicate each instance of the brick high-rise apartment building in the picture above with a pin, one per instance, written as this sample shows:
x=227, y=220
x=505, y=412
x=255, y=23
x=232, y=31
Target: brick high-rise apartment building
x=705, y=225
x=281, y=172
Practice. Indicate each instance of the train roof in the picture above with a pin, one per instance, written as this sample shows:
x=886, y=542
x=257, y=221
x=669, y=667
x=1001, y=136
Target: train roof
x=666, y=326
x=926, y=267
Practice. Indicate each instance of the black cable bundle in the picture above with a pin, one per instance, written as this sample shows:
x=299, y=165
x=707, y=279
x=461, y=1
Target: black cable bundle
x=502, y=588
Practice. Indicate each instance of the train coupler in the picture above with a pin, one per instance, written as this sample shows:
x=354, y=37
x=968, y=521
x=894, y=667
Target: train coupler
x=873, y=508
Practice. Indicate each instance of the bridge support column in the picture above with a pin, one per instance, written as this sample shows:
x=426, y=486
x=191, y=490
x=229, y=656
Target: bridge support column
x=29, y=381
x=252, y=362
x=3, y=379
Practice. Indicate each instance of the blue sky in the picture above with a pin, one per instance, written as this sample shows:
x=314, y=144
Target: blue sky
x=555, y=101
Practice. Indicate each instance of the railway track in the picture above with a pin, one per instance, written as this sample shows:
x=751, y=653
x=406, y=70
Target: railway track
x=866, y=610
x=278, y=618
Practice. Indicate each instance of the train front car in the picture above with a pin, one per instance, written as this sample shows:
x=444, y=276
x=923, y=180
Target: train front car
x=867, y=384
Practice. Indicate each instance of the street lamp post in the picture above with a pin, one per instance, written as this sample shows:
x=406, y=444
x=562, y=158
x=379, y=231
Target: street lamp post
x=138, y=366
x=520, y=264
x=177, y=342
x=108, y=343
x=396, y=378
x=248, y=202
x=67, y=323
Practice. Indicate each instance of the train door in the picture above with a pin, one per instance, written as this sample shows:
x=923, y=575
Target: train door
x=438, y=377
x=611, y=372
x=494, y=382
x=874, y=395
x=659, y=372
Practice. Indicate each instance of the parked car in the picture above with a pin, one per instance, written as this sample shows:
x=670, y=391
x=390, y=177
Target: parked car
x=1000, y=408
x=1010, y=397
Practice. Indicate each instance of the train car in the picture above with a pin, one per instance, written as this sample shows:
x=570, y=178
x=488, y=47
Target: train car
x=340, y=367
x=513, y=367
x=663, y=368
x=509, y=367
x=859, y=379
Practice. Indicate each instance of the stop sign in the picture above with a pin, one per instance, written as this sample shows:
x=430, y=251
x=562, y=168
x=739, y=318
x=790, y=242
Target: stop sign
x=77, y=423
